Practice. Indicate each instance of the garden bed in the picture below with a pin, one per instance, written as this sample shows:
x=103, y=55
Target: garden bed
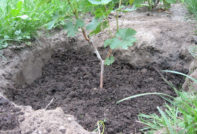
x=71, y=79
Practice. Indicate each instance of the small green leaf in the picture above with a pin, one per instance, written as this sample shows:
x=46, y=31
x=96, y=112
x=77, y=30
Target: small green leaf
x=28, y=43
x=79, y=23
x=51, y=24
x=99, y=2
x=171, y=1
x=131, y=2
x=6, y=37
x=129, y=9
x=124, y=38
x=96, y=26
x=3, y=45
x=93, y=25
x=109, y=60
x=107, y=42
x=125, y=33
x=70, y=28
x=100, y=27
x=116, y=43
x=17, y=32
x=24, y=17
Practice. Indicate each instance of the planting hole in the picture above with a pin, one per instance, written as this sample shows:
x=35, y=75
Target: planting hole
x=72, y=79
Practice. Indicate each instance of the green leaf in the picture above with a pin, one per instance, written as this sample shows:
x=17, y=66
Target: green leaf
x=129, y=9
x=124, y=38
x=107, y=42
x=138, y=3
x=116, y=43
x=131, y=2
x=51, y=24
x=6, y=37
x=96, y=26
x=97, y=30
x=99, y=2
x=79, y=23
x=125, y=33
x=70, y=28
x=109, y=60
x=23, y=17
x=3, y=44
x=171, y=1
x=100, y=27
x=93, y=25
x=102, y=12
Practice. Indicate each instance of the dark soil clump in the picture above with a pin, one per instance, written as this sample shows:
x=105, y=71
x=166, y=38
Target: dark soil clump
x=72, y=78
x=8, y=117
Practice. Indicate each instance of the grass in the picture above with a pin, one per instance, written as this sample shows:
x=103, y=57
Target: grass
x=20, y=19
x=192, y=6
x=178, y=117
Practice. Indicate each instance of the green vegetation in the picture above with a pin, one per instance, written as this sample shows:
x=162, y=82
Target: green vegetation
x=100, y=10
x=20, y=19
x=192, y=6
x=100, y=127
x=153, y=3
x=122, y=39
x=178, y=116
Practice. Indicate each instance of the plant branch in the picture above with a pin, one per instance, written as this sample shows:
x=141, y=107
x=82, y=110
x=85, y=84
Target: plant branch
x=117, y=23
x=117, y=15
x=109, y=53
x=110, y=33
x=75, y=12
x=98, y=56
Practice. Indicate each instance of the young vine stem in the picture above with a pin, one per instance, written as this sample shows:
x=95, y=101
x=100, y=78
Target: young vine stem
x=117, y=27
x=75, y=12
x=117, y=15
x=110, y=33
x=117, y=23
x=98, y=56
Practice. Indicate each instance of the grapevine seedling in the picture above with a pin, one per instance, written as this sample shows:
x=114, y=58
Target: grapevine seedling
x=100, y=9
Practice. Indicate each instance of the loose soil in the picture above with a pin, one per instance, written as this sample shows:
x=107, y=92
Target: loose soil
x=72, y=78
x=8, y=116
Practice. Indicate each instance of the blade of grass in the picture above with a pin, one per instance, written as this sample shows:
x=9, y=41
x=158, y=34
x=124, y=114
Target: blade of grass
x=166, y=121
x=175, y=72
x=140, y=95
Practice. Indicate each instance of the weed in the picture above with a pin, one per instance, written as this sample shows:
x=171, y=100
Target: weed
x=100, y=127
